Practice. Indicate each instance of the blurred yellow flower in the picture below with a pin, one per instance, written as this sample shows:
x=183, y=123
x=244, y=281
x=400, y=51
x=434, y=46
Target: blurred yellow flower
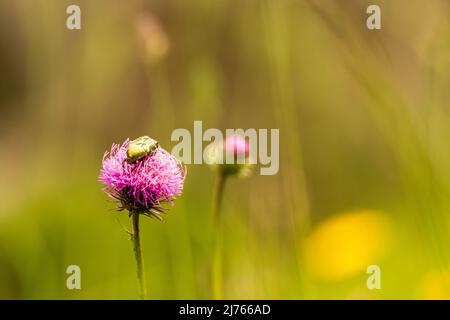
x=347, y=244
x=435, y=286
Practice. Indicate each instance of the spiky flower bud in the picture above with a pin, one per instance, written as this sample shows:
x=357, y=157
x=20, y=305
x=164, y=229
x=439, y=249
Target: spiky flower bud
x=237, y=149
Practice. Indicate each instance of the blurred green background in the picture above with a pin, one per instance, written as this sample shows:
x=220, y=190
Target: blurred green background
x=364, y=146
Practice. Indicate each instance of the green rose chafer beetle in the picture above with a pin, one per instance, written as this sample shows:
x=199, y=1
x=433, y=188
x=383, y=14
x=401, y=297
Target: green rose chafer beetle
x=140, y=148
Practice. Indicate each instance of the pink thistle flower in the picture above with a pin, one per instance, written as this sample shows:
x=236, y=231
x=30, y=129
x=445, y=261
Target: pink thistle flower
x=144, y=185
x=238, y=148
x=236, y=144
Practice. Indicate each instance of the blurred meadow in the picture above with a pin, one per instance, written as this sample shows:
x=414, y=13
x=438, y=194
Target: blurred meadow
x=363, y=115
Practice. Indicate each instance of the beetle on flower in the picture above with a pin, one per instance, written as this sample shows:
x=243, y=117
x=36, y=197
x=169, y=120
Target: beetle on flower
x=141, y=176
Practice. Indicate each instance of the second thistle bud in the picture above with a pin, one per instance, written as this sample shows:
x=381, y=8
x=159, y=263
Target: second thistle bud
x=231, y=157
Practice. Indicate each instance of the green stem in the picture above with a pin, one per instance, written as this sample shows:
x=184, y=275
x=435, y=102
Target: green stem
x=218, y=196
x=217, y=286
x=138, y=255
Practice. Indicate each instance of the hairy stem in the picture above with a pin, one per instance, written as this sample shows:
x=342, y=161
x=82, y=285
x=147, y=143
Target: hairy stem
x=138, y=255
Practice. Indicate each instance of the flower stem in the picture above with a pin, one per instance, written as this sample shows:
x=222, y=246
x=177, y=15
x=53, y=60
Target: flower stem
x=138, y=255
x=217, y=287
x=218, y=196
